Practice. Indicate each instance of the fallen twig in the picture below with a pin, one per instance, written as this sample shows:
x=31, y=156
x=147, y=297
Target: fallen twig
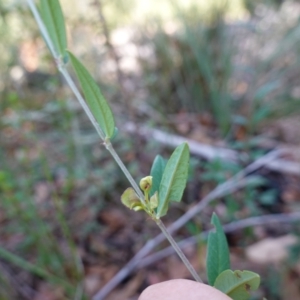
x=210, y=152
x=206, y=151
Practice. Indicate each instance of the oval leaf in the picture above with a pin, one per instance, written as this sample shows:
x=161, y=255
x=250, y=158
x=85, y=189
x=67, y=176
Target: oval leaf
x=53, y=19
x=97, y=103
x=129, y=198
x=217, y=259
x=157, y=171
x=174, y=178
x=237, y=284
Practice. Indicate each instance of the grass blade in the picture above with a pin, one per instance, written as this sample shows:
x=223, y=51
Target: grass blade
x=25, y=265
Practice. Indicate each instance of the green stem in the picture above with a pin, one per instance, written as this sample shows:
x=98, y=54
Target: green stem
x=164, y=230
x=107, y=143
x=62, y=69
x=118, y=160
x=43, y=28
x=80, y=99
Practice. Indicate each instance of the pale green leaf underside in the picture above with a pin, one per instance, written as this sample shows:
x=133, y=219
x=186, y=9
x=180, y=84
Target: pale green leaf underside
x=218, y=258
x=129, y=197
x=96, y=102
x=237, y=284
x=174, y=178
x=157, y=171
x=53, y=19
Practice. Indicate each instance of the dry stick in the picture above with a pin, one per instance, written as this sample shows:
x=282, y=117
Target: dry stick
x=210, y=152
x=207, y=151
x=236, y=182
x=230, y=227
x=124, y=93
x=109, y=45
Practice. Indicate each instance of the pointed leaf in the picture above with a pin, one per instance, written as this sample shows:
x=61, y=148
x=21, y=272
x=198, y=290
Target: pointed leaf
x=217, y=259
x=174, y=178
x=97, y=103
x=237, y=284
x=53, y=19
x=157, y=171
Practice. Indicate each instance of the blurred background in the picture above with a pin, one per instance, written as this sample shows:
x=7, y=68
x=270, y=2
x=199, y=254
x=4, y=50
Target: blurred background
x=224, y=74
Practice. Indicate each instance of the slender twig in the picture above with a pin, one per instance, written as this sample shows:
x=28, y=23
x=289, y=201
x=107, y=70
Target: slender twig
x=235, y=183
x=112, y=50
x=210, y=152
x=124, y=93
x=207, y=151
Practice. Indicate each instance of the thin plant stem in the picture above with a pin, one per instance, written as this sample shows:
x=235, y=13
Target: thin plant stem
x=114, y=154
x=107, y=142
x=43, y=28
x=164, y=230
x=80, y=99
x=82, y=102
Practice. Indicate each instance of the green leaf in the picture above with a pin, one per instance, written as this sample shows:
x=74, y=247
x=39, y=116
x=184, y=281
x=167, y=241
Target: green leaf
x=217, y=259
x=237, y=284
x=157, y=171
x=97, y=103
x=174, y=178
x=130, y=199
x=116, y=131
x=53, y=19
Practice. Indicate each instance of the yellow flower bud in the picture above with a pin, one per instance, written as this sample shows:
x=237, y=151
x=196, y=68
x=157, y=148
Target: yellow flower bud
x=146, y=183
